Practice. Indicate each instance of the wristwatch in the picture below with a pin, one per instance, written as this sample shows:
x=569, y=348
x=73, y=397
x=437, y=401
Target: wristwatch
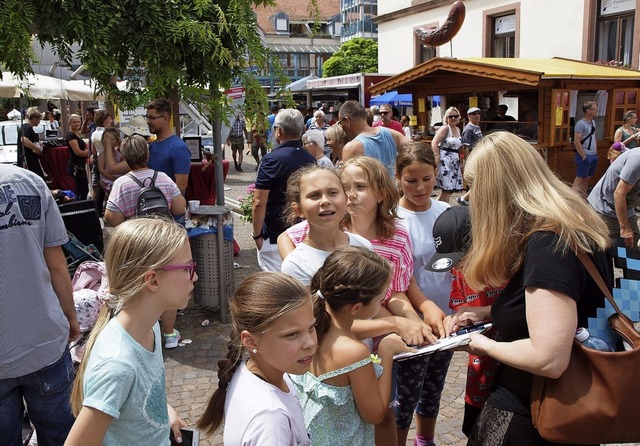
x=256, y=237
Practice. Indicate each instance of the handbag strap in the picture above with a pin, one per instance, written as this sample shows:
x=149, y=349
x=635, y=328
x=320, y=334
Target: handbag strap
x=597, y=278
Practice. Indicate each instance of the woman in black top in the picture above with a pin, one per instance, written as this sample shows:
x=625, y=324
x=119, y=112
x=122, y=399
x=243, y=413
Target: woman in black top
x=78, y=154
x=527, y=226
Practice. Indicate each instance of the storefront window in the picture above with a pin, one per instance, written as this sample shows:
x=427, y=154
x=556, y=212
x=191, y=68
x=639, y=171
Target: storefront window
x=615, y=31
x=504, y=36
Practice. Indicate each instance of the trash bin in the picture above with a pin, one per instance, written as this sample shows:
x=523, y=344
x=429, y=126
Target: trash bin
x=212, y=250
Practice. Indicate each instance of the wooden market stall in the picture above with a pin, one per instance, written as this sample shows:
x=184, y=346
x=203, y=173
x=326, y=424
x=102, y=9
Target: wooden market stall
x=546, y=97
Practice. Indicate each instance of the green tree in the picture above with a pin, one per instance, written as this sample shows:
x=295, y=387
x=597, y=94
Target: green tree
x=176, y=48
x=358, y=55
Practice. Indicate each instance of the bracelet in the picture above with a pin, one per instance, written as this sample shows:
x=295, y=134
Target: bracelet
x=256, y=237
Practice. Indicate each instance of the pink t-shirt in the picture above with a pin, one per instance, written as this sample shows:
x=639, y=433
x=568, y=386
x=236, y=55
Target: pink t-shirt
x=398, y=250
x=124, y=193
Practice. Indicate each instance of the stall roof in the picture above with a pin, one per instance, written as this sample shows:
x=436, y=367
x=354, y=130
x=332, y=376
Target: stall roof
x=516, y=70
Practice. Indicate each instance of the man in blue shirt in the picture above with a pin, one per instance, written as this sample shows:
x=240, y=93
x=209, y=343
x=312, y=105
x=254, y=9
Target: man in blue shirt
x=168, y=153
x=269, y=196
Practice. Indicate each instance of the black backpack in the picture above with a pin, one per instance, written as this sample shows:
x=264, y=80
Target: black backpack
x=151, y=200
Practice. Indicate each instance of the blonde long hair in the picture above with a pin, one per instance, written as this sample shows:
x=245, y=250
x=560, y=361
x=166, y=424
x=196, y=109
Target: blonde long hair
x=378, y=179
x=136, y=247
x=513, y=195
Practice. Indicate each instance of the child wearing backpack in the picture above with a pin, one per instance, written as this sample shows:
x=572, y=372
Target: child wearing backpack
x=141, y=192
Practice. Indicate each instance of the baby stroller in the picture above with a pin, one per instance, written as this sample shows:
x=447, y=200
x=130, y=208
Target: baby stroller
x=76, y=252
x=90, y=286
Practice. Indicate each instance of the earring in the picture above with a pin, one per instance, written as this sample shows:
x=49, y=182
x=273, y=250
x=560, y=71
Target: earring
x=254, y=351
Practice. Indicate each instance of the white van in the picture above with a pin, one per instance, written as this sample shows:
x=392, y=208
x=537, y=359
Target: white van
x=9, y=141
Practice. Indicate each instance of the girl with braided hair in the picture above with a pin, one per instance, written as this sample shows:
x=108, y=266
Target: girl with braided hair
x=119, y=395
x=347, y=391
x=271, y=319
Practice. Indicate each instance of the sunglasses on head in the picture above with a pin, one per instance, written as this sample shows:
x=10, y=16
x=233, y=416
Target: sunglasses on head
x=454, y=116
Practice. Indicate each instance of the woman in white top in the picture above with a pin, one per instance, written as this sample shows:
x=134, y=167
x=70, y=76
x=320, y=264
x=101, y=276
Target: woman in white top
x=103, y=119
x=446, y=146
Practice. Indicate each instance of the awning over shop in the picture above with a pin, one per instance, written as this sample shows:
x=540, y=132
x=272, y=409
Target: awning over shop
x=299, y=86
x=393, y=98
x=512, y=70
x=300, y=48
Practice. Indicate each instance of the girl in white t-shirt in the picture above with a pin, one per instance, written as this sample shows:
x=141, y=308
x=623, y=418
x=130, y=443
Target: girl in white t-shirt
x=271, y=319
x=317, y=194
x=119, y=395
x=421, y=380
x=346, y=391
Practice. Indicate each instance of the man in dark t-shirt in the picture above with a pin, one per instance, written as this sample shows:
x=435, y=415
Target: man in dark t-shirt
x=269, y=197
x=29, y=146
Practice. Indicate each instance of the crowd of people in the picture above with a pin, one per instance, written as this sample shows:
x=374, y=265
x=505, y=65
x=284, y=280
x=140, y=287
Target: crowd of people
x=360, y=263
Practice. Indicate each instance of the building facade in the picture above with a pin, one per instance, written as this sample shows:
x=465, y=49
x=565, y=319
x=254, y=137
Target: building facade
x=301, y=40
x=358, y=19
x=589, y=30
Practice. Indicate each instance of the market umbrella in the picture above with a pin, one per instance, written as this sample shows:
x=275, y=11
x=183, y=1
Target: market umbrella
x=393, y=98
x=8, y=87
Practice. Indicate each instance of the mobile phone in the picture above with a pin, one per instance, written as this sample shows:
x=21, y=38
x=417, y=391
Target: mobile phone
x=472, y=328
x=190, y=437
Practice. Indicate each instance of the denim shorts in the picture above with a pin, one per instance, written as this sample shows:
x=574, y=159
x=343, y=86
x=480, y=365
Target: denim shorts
x=46, y=393
x=586, y=168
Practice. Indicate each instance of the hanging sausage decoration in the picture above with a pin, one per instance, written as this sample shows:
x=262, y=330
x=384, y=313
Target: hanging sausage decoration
x=448, y=30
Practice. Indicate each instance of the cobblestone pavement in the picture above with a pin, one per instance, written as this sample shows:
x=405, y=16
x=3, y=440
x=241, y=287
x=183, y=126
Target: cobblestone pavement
x=191, y=370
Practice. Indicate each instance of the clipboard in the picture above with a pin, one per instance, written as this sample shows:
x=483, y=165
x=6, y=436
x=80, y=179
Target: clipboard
x=453, y=341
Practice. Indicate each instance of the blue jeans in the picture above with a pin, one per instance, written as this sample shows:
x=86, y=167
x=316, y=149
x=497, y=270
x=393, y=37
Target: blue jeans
x=46, y=393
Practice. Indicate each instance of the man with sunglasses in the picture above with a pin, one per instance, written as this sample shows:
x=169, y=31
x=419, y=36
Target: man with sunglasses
x=377, y=142
x=471, y=134
x=386, y=119
x=168, y=153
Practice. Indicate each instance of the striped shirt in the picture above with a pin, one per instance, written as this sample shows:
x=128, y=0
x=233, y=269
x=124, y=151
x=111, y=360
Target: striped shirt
x=238, y=129
x=125, y=191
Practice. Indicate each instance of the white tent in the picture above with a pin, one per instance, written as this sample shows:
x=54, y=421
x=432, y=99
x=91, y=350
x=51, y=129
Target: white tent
x=8, y=88
x=78, y=90
x=37, y=86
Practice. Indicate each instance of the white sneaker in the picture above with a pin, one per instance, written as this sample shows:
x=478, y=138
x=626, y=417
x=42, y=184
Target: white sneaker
x=171, y=341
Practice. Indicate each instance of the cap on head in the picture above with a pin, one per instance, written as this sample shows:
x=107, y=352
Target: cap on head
x=473, y=110
x=451, y=234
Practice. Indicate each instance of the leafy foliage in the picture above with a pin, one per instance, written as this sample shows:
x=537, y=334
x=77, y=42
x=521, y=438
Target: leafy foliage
x=358, y=55
x=177, y=47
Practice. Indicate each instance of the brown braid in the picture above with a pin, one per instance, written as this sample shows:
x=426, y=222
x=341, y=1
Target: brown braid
x=257, y=304
x=212, y=417
x=350, y=275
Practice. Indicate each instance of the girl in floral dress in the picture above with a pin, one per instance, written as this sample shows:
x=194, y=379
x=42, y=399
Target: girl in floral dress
x=346, y=391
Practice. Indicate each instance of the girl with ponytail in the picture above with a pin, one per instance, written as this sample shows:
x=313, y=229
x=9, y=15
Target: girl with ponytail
x=119, y=395
x=272, y=320
x=347, y=391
